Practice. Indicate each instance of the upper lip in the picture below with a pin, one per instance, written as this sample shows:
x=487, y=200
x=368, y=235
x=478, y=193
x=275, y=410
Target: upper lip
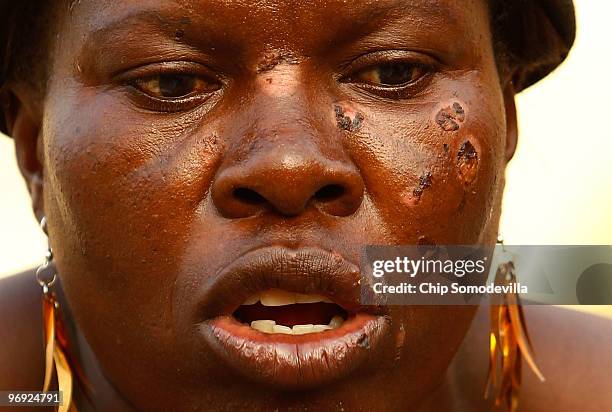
x=304, y=270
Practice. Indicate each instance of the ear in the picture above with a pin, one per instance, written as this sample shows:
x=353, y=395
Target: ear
x=23, y=125
x=511, y=120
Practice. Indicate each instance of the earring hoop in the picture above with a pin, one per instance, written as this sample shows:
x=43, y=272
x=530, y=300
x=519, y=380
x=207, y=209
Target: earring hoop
x=56, y=342
x=46, y=282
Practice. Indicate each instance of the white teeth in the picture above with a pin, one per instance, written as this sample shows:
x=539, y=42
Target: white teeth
x=277, y=297
x=266, y=326
x=270, y=326
x=282, y=329
x=336, y=322
x=302, y=329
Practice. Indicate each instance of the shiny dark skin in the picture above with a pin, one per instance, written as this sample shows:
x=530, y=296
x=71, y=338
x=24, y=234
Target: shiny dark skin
x=140, y=191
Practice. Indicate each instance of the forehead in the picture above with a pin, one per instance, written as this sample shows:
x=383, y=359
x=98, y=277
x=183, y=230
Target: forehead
x=282, y=23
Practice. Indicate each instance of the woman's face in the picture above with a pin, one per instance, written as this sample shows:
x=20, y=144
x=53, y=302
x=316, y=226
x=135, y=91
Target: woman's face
x=198, y=153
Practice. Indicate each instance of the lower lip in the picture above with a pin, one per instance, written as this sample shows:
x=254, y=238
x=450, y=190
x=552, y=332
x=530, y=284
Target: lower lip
x=297, y=361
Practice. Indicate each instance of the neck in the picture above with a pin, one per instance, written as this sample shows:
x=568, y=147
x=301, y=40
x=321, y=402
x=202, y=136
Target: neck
x=462, y=388
x=98, y=393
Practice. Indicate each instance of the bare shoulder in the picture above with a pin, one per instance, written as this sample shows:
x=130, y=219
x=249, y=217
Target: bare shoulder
x=21, y=357
x=572, y=349
x=575, y=354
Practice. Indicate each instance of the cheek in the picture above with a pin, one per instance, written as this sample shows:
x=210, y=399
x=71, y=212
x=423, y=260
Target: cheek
x=117, y=177
x=122, y=191
x=433, y=170
x=119, y=196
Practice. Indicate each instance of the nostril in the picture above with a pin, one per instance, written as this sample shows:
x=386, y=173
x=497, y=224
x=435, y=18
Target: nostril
x=248, y=196
x=329, y=193
x=268, y=187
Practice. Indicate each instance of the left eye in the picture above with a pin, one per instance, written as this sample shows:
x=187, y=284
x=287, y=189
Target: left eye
x=389, y=74
x=174, y=86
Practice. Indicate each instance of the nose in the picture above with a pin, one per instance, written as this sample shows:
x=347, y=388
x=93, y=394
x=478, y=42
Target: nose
x=287, y=178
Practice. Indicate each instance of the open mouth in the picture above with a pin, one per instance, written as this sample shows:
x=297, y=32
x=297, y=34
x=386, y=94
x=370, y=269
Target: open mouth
x=291, y=318
x=278, y=311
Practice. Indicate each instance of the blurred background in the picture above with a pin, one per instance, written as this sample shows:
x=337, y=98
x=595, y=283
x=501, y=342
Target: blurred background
x=559, y=184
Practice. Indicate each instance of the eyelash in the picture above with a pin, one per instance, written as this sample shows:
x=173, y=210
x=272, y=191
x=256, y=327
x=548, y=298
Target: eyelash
x=428, y=65
x=135, y=79
x=399, y=92
x=166, y=106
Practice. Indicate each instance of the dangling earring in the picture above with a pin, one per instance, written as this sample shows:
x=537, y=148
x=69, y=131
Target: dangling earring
x=508, y=340
x=55, y=336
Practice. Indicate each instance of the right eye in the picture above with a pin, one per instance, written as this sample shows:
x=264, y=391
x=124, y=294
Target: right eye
x=391, y=74
x=174, y=86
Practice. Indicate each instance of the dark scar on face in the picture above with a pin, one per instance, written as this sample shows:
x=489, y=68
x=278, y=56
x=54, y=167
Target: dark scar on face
x=467, y=162
x=273, y=59
x=425, y=241
x=363, y=341
x=344, y=122
x=449, y=118
x=180, y=32
x=424, y=183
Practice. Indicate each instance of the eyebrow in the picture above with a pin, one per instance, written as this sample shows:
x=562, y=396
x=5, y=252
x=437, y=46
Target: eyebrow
x=152, y=18
x=428, y=9
x=364, y=21
x=155, y=25
x=369, y=24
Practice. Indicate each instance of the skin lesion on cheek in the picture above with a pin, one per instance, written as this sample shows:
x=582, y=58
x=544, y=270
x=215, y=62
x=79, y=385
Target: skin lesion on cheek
x=347, y=118
x=425, y=181
x=450, y=117
x=460, y=155
x=467, y=163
